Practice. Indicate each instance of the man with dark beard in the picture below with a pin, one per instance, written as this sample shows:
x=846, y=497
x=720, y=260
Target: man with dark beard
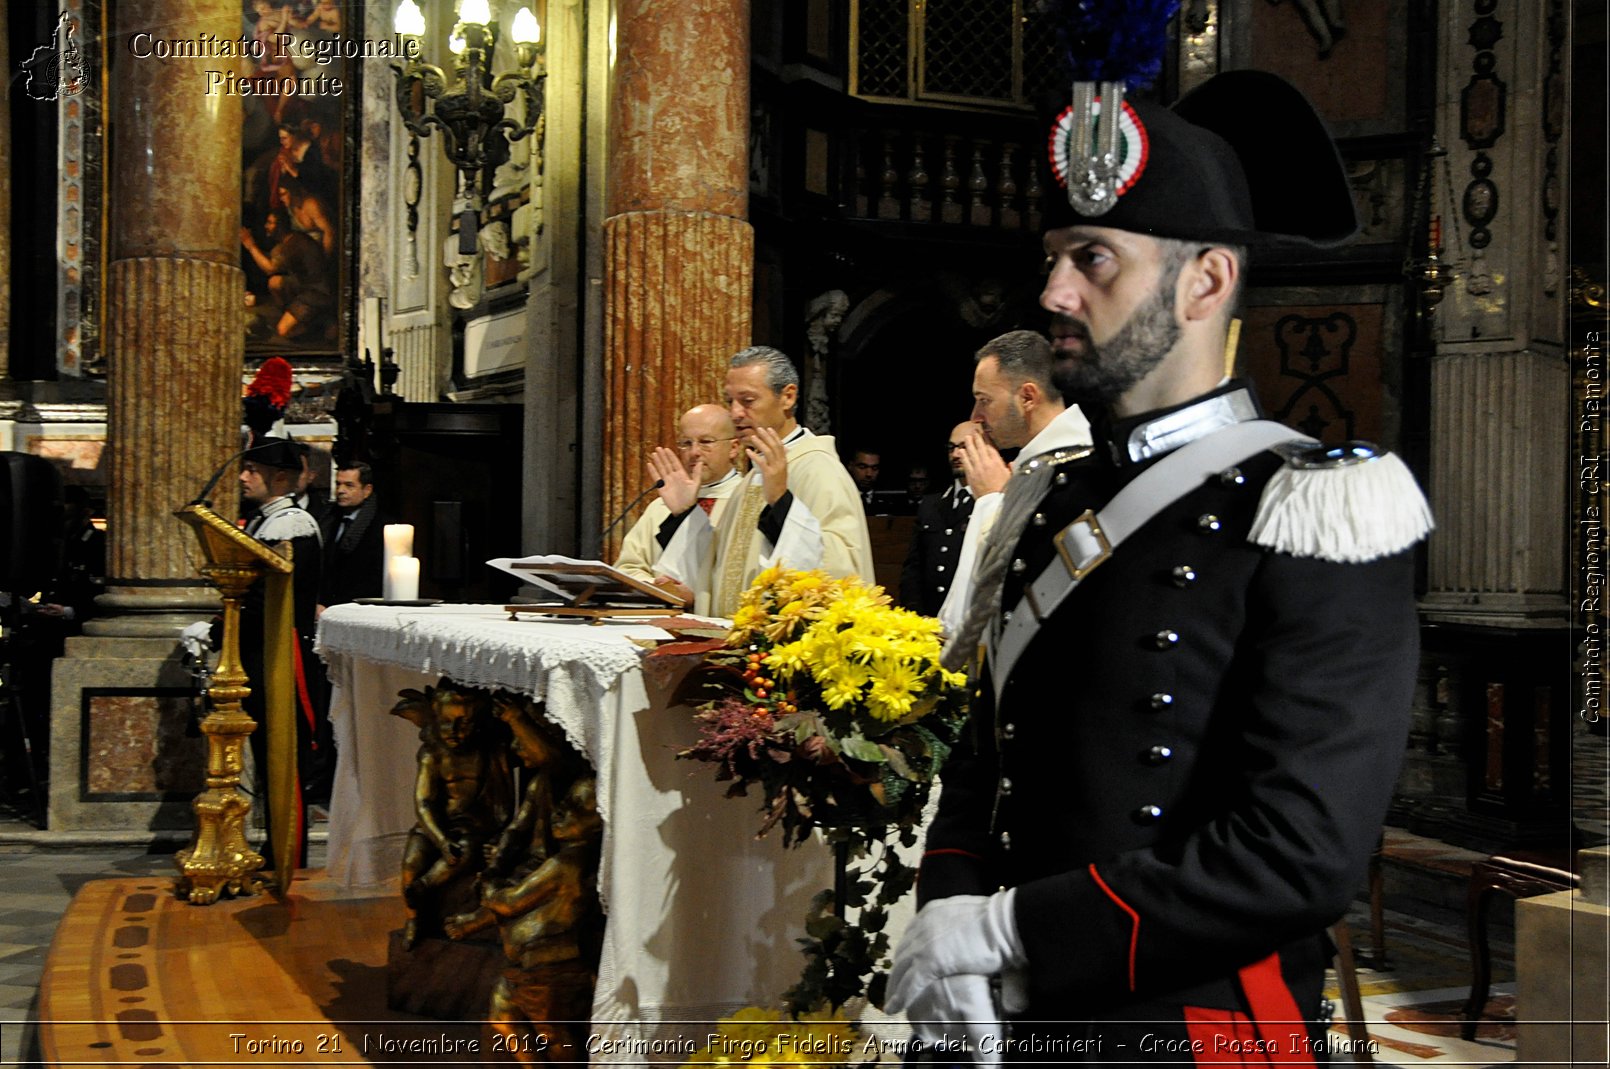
x=1199, y=650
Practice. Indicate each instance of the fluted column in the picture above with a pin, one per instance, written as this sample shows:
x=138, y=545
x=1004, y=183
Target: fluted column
x=678, y=251
x=1500, y=379
x=174, y=315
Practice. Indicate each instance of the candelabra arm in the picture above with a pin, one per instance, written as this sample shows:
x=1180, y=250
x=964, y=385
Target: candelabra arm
x=433, y=81
x=532, y=88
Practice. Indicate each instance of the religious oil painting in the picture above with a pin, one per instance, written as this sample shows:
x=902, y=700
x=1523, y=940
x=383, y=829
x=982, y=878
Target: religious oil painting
x=296, y=180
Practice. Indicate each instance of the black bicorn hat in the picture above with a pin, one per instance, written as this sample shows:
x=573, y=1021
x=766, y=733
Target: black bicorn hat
x=1244, y=159
x=275, y=453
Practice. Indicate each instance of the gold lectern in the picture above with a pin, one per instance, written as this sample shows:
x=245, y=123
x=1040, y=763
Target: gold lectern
x=219, y=858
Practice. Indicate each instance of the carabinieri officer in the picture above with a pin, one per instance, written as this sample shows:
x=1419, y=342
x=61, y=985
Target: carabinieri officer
x=1199, y=652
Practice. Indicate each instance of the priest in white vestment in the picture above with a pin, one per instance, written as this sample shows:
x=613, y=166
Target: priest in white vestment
x=707, y=437
x=798, y=507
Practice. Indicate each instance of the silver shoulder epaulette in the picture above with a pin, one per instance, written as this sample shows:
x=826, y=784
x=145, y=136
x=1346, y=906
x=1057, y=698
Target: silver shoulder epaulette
x=288, y=524
x=1349, y=503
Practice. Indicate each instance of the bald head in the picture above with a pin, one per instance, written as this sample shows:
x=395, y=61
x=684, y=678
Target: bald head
x=953, y=448
x=706, y=433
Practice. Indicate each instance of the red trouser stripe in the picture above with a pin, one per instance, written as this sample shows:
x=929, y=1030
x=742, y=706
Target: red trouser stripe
x=1134, y=921
x=1224, y=1037
x=1274, y=1011
x=301, y=691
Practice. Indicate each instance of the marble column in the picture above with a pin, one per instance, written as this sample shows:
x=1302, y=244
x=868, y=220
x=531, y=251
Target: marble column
x=121, y=754
x=174, y=315
x=678, y=251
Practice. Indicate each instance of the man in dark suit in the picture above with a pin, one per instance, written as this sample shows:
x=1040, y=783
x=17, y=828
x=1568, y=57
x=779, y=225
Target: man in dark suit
x=1200, y=644
x=941, y=525
x=354, y=542
x=309, y=497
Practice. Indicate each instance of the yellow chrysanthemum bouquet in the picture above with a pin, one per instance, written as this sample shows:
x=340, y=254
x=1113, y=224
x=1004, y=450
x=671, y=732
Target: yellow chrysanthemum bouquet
x=832, y=702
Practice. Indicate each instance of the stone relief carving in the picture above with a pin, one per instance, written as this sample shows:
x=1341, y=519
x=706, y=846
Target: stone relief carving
x=823, y=317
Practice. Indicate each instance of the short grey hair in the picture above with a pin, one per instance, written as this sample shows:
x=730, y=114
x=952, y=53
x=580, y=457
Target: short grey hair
x=780, y=371
x=1024, y=356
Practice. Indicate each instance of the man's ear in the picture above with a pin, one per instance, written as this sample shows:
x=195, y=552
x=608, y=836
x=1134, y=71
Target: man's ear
x=1208, y=283
x=789, y=395
x=1029, y=395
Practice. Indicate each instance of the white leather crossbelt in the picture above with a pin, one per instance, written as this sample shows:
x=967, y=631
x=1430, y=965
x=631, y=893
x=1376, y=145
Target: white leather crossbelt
x=1085, y=543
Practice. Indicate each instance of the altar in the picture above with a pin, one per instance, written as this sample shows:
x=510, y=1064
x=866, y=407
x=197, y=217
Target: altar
x=701, y=916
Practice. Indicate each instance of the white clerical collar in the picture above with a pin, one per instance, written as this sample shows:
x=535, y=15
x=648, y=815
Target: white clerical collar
x=798, y=432
x=1067, y=431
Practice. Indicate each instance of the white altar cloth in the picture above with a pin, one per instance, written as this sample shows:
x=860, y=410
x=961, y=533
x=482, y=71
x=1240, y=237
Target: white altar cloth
x=702, y=917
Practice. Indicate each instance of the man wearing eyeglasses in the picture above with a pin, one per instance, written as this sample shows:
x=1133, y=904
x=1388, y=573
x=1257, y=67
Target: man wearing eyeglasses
x=797, y=509
x=709, y=447
x=930, y=566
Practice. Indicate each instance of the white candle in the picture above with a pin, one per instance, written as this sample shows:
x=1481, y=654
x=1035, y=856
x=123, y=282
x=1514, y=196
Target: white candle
x=399, y=538
x=402, y=576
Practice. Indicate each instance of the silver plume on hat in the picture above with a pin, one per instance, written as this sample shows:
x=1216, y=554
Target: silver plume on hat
x=1110, y=46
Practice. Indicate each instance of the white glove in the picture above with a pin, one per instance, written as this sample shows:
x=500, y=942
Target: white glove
x=195, y=638
x=968, y=936
x=956, y=1007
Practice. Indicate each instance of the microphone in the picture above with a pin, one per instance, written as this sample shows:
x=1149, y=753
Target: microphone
x=604, y=537
x=201, y=498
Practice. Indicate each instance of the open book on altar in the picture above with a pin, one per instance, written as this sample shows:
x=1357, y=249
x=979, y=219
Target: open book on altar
x=572, y=587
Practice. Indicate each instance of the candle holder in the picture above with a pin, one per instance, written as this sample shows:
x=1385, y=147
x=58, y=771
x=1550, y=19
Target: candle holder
x=469, y=110
x=219, y=860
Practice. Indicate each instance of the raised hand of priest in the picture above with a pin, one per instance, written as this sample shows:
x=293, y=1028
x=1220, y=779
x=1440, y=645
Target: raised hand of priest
x=766, y=453
x=680, y=488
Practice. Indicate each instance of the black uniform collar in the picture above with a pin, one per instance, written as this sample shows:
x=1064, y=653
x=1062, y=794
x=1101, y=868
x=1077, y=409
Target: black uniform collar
x=1142, y=438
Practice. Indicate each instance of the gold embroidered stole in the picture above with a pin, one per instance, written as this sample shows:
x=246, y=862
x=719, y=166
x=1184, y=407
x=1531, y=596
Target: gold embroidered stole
x=737, y=550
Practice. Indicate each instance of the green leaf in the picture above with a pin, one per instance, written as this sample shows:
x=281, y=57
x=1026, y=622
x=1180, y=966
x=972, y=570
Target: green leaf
x=863, y=749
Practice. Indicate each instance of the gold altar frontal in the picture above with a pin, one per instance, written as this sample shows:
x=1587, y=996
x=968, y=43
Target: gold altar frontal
x=137, y=976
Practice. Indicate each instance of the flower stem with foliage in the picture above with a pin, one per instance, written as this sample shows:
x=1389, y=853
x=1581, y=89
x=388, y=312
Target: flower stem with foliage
x=833, y=703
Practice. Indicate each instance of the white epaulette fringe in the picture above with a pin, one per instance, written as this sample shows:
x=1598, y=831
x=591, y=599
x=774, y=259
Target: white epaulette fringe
x=1350, y=510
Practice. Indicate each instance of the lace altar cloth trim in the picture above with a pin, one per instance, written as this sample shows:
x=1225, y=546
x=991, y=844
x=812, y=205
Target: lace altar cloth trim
x=479, y=646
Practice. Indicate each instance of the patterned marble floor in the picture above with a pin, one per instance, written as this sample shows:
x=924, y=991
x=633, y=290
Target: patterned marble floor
x=1411, y=1004
x=36, y=883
